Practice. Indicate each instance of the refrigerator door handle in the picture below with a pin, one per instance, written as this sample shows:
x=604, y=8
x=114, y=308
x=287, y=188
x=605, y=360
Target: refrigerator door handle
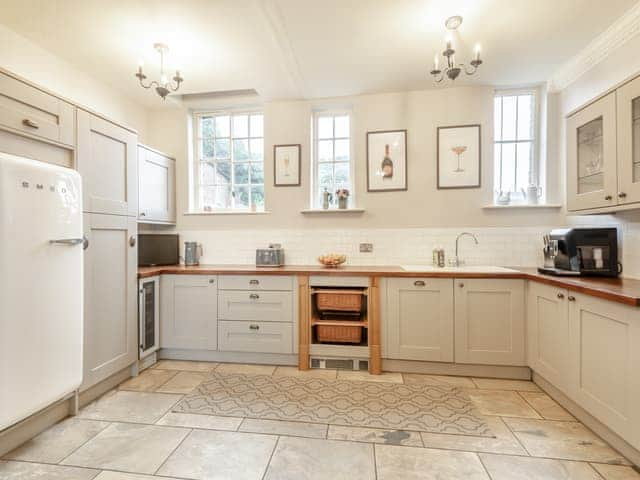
x=67, y=241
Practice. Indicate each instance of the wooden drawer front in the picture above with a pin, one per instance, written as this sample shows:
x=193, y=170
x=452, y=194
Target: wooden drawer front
x=255, y=337
x=27, y=109
x=260, y=306
x=256, y=282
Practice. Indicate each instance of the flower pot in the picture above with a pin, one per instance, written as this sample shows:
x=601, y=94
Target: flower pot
x=343, y=203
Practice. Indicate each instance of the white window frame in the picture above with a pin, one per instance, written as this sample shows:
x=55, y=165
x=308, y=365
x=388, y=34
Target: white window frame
x=315, y=202
x=194, y=174
x=535, y=141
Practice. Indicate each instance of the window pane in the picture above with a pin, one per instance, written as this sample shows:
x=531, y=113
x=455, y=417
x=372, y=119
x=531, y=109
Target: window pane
x=222, y=148
x=342, y=179
x=325, y=127
x=257, y=148
x=525, y=117
x=223, y=173
x=240, y=150
x=207, y=173
x=508, y=167
x=215, y=197
x=257, y=173
x=207, y=148
x=241, y=173
x=325, y=151
x=342, y=150
x=497, y=150
x=256, y=127
x=523, y=151
x=257, y=195
x=240, y=126
x=241, y=197
x=206, y=127
x=509, y=118
x=222, y=126
x=325, y=175
x=342, y=126
x=497, y=119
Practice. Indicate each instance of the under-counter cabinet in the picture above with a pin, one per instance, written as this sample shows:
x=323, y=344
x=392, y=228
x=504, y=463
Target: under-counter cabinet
x=490, y=321
x=419, y=319
x=548, y=333
x=189, y=312
x=110, y=300
x=156, y=187
x=106, y=157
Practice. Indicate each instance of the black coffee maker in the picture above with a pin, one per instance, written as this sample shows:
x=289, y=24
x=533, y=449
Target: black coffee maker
x=583, y=251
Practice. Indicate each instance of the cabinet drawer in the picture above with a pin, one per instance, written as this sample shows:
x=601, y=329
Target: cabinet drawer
x=256, y=337
x=256, y=282
x=27, y=109
x=260, y=306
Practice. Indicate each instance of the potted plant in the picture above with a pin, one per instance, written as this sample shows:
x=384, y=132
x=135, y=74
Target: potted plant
x=343, y=198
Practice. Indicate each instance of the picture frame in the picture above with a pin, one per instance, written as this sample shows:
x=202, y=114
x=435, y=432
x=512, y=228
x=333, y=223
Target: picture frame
x=387, y=161
x=459, y=157
x=286, y=165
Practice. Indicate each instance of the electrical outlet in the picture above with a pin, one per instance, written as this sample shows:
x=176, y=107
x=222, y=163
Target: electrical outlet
x=366, y=247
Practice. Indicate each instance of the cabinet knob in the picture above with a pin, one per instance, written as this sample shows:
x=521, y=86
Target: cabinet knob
x=30, y=123
x=571, y=298
x=419, y=283
x=142, y=214
x=211, y=280
x=254, y=296
x=622, y=195
x=254, y=282
x=560, y=296
x=132, y=241
x=461, y=285
x=254, y=327
x=608, y=197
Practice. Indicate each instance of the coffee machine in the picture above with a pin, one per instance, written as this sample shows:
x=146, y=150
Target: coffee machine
x=582, y=251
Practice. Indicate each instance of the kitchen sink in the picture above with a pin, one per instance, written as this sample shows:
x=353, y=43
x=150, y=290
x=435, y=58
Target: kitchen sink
x=460, y=269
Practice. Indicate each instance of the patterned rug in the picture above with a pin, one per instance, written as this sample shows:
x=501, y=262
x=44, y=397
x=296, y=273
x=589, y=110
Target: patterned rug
x=426, y=408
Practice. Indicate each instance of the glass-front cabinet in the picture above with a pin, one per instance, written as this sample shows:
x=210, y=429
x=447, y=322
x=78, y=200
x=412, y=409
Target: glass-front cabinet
x=628, y=107
x=591, y=156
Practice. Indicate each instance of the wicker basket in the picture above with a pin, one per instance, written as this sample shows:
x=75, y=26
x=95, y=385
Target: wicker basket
x=339, y=300
x=339, y=333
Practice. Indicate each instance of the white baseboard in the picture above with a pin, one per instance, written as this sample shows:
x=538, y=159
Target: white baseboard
x=229, y=357
x=443, y=368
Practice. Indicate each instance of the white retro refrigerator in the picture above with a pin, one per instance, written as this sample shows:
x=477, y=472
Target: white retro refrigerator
x=41, y=285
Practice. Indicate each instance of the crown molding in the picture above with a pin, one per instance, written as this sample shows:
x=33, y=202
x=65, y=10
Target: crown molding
x=621, y=31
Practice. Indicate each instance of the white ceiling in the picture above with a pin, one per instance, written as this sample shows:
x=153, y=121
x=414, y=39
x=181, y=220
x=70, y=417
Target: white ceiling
x=309, y=48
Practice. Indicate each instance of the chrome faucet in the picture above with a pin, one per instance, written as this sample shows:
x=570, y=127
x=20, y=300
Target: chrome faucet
x=456, y=261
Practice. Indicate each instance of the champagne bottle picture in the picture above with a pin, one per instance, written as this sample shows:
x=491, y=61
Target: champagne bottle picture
x=387, y=164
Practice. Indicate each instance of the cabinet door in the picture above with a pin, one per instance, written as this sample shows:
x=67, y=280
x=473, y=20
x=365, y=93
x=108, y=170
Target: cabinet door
x=489, y=321
x=156, y=185
x=548, y=333
x=628, y=125
x=591, y=156
x=110, y=296
x=189, y=312
x=604, y=363
x=419, y=319
x=107, y=160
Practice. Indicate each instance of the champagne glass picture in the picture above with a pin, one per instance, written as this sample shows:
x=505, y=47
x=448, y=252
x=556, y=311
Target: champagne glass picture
x=458, y=161
x=286, y=165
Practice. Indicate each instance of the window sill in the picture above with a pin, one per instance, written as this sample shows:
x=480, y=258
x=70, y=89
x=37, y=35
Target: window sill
x=332, y=210
x=227, y=212
x=522, y=206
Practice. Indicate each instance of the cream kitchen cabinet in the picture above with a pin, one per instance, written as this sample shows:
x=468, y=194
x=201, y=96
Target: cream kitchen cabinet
x=490, y=321
x=106, y=157
x=189, y=312
x=110, y=296
x=419, y=319
x=604, y=359
x=628, y=124
x=548, y=333
x=156, y=187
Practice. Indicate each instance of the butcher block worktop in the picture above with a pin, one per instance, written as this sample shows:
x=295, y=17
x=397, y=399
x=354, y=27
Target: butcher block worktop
x=621, y=290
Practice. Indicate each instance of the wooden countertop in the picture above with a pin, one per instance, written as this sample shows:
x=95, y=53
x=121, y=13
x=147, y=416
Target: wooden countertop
x=621, y=290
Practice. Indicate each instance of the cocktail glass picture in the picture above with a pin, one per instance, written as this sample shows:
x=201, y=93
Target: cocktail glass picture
x=459, y=150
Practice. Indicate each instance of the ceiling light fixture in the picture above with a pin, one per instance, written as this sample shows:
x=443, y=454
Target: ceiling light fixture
x=163, y=86
x=452, y=69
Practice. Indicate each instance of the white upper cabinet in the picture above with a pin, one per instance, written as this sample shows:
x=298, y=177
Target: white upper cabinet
x=591, y=156
x=628, y=107
x=156, y=187
x=107, y=161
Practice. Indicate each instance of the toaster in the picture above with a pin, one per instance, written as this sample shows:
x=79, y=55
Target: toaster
x=270, y=257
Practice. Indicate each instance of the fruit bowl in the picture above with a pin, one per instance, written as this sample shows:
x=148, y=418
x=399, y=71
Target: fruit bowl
x=332, y=260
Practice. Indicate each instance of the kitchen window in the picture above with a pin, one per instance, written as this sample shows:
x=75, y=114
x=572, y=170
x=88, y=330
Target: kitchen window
x=332, y=156
x=228, y=172
x=515, y=141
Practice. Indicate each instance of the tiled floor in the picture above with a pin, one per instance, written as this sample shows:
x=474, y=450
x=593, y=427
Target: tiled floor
x=131, y=434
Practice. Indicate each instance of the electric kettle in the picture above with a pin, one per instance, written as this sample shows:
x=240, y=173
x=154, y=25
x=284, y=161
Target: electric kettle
x=192, y=253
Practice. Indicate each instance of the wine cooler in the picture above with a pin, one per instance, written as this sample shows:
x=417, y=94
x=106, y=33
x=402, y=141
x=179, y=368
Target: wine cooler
x=149, y=316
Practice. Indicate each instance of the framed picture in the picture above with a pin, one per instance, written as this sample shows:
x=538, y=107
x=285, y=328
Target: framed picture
x=286, y=165
x=387, y=161
x=459, y=156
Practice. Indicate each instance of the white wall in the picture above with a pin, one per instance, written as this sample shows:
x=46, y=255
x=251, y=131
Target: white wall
x=26, y=59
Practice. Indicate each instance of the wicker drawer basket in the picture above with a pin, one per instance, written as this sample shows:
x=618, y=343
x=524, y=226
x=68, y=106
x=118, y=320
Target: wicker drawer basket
x=339, y=300
x=339, y=334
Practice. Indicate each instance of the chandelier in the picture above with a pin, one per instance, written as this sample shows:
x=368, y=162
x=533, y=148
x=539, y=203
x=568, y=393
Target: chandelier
x=163, y=86
x=452, y=69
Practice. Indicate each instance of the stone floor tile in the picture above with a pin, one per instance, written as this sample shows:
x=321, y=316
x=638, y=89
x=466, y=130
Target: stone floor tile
x=124, y=406
x=374, y=435
x=40, y=471
x=183, y=382
x=462, y=382
x=279, y=427
x=245, y=369
x=507, y=467
x=326, y=373
x=129, y=476
x=546, y=406
x=501, y=403
x=185, y=365
x=503, y=384
x=361, y=376
x=206, y=422
x=148, y=380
